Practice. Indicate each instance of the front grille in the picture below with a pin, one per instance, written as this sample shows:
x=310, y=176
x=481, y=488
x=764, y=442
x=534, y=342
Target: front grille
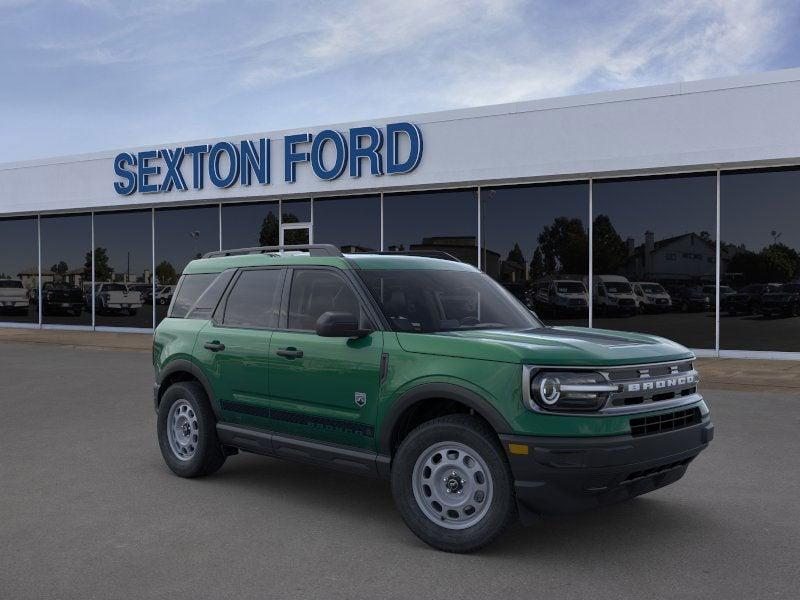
x=626, y=302
x=577, y=302
x=665, y=422
x=652, y=383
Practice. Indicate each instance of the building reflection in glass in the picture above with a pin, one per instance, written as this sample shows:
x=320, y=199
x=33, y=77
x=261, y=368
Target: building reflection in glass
x=654, y=256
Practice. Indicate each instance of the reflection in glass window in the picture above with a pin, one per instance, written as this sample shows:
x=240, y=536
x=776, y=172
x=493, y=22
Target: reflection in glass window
x=445, y=221
x=654, y=252
x=254, y=301
x=190, y=289
x=249, y=225
x=760, y=254
x=317, y=291
x=19, y=270
x=536, y=243
x=296, y=211
x=182, y=234
x=351, y=224
x=123, y=269
x=67, y=269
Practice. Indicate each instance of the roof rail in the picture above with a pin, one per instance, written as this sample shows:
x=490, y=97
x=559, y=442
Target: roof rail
x=425, y=253
x=312, y=249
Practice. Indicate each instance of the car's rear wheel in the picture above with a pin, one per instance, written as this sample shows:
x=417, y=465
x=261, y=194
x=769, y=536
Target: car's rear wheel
x=452, y=484
x=187, y=433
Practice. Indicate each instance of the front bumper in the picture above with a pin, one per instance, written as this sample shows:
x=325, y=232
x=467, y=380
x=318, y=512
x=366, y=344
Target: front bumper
x=567, y=475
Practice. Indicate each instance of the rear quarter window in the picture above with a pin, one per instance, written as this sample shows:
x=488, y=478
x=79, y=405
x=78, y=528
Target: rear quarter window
x=190, y=288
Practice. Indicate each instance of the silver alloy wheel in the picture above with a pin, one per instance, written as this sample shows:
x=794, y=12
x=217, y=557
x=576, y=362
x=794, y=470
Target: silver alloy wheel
x=452, y=485
x=183, y=431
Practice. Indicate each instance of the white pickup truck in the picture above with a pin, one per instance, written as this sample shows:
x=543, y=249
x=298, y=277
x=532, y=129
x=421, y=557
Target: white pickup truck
x=111, y=298
x=13, y=296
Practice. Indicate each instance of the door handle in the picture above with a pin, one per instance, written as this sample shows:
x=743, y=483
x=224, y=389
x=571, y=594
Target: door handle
x=290, y=353
x=214, y=346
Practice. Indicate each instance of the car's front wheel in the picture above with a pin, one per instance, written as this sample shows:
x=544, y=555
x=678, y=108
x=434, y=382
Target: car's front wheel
x=452, y=484
x=187, y=433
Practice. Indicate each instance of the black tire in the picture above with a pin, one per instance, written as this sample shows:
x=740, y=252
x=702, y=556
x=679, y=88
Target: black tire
x=208, y=455
x=477, y=435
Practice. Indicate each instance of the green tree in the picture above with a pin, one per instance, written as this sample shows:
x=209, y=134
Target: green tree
x=59, y=268
x=515, y=255
x=269, y=231
x=537, y=269
x=780, y=263
x=166, y=274
x=102, y=270
x=610, y=252
x=565, y=246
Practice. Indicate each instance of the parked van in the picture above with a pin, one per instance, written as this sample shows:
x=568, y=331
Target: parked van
x=613, y=295
x=651, y=297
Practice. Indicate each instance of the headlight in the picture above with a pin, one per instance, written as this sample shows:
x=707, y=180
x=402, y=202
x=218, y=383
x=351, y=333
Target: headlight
x=569, y=391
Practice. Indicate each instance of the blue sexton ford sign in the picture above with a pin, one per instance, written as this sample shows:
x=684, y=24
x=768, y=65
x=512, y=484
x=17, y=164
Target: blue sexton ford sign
x=225, y=163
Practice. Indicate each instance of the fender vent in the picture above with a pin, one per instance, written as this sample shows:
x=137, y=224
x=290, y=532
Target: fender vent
x=665, y=422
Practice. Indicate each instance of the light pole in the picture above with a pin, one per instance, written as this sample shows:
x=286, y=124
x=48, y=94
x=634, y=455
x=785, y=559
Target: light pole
x=195, y=235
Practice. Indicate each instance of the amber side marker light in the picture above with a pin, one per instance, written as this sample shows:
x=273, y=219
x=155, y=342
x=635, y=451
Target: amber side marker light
x=518, y=448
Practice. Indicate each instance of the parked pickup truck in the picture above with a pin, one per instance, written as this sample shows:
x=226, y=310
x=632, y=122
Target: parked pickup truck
x=13, y=297
x=61, y=298
x=115, y=298
x=425, y=372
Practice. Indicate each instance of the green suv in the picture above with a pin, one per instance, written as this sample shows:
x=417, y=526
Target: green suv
x=424, y=371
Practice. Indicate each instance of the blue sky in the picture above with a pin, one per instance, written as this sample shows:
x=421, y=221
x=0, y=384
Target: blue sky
x=87, y=75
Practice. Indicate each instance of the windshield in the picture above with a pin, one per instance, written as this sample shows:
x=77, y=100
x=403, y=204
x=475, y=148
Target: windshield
x=570, y=287
x=10, y=283
x=429, y=301
x=616, y=287
x=652, y=288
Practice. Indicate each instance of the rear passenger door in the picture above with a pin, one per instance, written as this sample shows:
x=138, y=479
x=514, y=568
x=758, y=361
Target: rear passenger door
x=234, y=345
x=322, y=387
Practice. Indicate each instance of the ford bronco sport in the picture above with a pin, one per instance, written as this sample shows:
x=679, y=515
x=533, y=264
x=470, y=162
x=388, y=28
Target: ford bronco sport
x=423, y=371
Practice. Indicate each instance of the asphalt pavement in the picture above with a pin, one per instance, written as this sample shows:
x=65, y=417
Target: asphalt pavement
x=88, y=510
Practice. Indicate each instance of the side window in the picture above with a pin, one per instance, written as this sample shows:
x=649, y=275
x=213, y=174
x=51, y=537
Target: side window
x=189, y=290
x=254, y=300
x=208, y=300
x=316, y=291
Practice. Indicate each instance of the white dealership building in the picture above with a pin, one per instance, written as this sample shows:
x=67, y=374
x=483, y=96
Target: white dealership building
x=691, y=187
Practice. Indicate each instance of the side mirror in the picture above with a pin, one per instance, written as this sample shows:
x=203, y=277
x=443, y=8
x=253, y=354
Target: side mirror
x=340, y=324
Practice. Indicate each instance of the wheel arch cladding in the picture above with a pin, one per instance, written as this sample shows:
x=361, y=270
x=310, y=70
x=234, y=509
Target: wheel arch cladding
x=184, y=370
x=413, y=399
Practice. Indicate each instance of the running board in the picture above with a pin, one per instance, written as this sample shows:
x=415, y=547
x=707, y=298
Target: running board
x=361, y=462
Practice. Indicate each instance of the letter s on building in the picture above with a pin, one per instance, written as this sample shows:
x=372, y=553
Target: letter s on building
x=128, y=186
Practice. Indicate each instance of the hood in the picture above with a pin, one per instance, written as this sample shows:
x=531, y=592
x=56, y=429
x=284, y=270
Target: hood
x=562, y=346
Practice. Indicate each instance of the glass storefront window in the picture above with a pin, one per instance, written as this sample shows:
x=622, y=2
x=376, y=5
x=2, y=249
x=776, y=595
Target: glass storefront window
x=654, y=256
x=249, y=225
x=352, y=224
x=535, y=242
x=182, y=235
x=445, y=221
x=19, y=270
x=123, y=269
x=760, y=260
x=67, y=269
x=296, y=211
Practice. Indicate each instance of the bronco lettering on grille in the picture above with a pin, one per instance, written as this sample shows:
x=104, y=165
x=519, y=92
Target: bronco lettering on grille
x=661, y=384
